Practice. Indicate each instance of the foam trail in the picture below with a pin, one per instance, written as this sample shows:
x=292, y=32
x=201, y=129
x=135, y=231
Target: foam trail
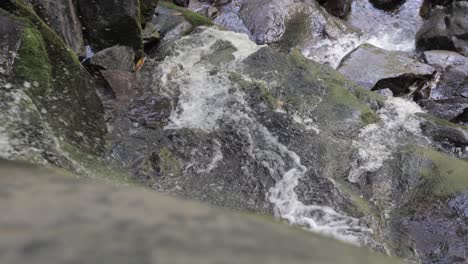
x=206, y=98
x=376, y=142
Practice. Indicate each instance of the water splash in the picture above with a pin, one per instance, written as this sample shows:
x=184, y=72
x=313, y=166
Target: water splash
x=207, y=97
x=376, y=142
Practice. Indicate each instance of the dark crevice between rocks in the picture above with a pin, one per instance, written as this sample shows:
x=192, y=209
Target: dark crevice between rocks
x=406, y=85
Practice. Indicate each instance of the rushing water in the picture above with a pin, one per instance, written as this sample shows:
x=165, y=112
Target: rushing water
x=394, y=30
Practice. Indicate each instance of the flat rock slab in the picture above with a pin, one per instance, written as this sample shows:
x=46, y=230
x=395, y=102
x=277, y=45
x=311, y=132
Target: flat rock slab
x=51, y=218
x=375, y=69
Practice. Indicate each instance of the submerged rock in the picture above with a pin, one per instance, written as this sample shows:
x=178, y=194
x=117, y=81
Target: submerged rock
x=377, y=69
x=446, y=29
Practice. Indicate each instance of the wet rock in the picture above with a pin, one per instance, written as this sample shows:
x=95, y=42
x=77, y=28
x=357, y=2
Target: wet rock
x=450, y=108
x=64, y=218
x=61, y=16
x=50, y=95
x=109, y=23
x=286, y=24
x=151, y=35
x=338, y=8
x=387, y=4
x=148, y=8
x=376, y=69
x=446, y=29
x=453, y=68
x=114, y=58
x=10, y=42
x=183, y=3
x=289, y=21
x=385, y=92
x=173, y=22
x=425, y=222
x=123, y=83
x=440, y=131
x=432, y=225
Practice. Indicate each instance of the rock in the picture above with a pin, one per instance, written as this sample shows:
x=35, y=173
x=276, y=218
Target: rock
x=122, y=83
x=289, y=24
x=150, y=35
x=385, y=92
x=50, y=97
x=65, y=218
x=61, y=16
x=450, y=109
x=173, y=22
x=183, y=3
x=440, y=132
x=453, y=69
x=115, y=58
x=10, y=42
x=386, y=4
x=289, y=21
x=148, y=8
x=446, y=29
x=376, y=69
x=338, y=8
x=109, y=23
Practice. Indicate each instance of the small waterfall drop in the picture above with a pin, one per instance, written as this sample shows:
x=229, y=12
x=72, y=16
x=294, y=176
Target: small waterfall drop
x=206, y=98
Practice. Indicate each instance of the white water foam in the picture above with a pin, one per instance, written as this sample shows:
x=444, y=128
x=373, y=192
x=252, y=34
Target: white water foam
x=376, y=142
x=205, y=98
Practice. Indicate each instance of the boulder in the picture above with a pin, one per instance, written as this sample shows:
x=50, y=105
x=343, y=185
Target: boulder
x=61, y=16
x=446, y=29
x=292, y=22
x=147, y=9
x=183, y=3
x=108, y=23
x=50, y=97
x=377, y=69
x=386, y=4
x=450, y=108
x=287, y=24
x=338, y=8
x=114, y=58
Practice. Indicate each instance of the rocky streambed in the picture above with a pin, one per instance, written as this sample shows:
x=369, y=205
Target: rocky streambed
x=343, y=118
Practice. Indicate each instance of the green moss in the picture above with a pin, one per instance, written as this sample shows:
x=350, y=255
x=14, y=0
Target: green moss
x=96, y=169
x=267, y=97
x=65, y=89
x=441, y=122
x=32, y=64
x=340, y=91
x=296, y=31
x=192, y=17
x=445, y=175
x=170, y=166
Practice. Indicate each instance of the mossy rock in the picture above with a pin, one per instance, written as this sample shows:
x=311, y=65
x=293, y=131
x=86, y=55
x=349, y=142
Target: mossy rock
x=307, y=87
x=193, y=18
x=57, y=83
x=444, y=175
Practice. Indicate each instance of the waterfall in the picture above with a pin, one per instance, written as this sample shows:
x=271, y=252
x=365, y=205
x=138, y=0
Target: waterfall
x=207, y=97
